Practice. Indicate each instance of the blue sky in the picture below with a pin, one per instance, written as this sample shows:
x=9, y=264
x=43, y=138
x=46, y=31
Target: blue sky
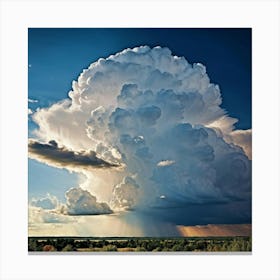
x=57, y=56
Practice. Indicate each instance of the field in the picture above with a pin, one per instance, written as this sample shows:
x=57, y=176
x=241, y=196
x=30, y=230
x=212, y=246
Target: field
x=140, y=244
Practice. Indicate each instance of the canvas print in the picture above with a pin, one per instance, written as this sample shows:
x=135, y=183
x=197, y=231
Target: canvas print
x=139, y=140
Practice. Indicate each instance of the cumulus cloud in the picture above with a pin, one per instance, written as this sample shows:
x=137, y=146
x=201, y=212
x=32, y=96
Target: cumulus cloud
x=158, y=116
x=78, y=202
x=82, y=202
x=125, y=195
x=30, y=111
x=242, y=138
x=52, y=154
x=207, y=168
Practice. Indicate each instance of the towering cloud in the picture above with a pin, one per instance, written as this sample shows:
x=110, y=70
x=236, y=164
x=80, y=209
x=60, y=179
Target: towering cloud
x=161, y=119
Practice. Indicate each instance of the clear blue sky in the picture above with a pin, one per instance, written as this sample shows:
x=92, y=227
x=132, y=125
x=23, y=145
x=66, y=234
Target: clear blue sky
x=57, y=56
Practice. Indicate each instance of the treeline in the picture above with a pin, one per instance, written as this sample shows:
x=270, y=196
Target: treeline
x=228, y=244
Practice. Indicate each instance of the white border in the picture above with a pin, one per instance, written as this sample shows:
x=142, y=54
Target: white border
x=262, y=16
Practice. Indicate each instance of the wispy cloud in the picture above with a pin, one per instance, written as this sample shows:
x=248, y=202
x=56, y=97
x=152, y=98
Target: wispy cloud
x=48, y=202
x=166, y=162
x=32, y=100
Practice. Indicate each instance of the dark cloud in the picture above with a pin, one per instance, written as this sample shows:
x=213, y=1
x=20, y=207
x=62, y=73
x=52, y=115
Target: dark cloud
x=52, y=154
x=231, y=212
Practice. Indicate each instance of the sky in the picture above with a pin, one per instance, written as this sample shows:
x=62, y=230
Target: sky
x=147, y=139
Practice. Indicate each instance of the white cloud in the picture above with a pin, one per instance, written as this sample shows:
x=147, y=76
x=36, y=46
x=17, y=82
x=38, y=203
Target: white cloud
x=48, y=202
x=125, y=195
x=32, y=100
x=82, y=202
x=166, y=162
x=39, y=215
x=30, y=111
x=143, y=105
x=224, y=124
x=46, y=210
x=242, y=138
x=78, y=202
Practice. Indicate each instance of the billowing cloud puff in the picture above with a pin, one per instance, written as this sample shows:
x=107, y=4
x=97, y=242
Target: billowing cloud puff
x=51, y=154
x=207, y=169
x=140, y=84
x=82, y=202
x=78, y=202
x=242, y=138
x=160, y=118
x=125, y=195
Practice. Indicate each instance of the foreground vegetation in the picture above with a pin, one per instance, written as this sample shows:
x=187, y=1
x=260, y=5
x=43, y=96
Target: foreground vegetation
x=140, y=244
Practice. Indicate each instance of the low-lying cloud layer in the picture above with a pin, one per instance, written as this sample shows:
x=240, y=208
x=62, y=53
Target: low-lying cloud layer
x=159, y=117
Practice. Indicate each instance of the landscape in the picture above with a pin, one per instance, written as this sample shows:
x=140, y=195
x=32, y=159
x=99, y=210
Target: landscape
x=140, y=244
x=139, y=140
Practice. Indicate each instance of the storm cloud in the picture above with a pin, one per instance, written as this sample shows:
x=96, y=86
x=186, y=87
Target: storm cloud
x=161, y=119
